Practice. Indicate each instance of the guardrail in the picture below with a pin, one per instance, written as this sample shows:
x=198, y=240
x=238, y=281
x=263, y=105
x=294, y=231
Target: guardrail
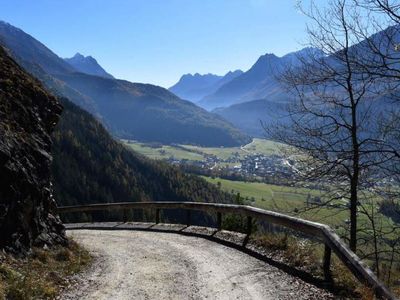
x=320, y=231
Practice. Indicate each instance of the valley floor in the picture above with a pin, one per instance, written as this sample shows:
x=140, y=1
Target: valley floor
x=158, y=265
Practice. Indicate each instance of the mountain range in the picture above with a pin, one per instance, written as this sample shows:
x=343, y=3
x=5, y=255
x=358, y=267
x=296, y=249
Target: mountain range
x=247, y=99
x=256, y=98
x=197, y=86
x=259, y=82
x=250, y=100
x=130, y=110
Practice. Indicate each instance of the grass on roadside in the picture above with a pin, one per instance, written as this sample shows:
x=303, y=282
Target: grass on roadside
x=42, y=274
x=307, y=256
x=2, y=291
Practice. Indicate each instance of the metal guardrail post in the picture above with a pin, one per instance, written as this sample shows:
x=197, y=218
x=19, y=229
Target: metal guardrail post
x=188, y=217
x=157, y=216
x=219, y=221
x=249, y=227
x=125, y=215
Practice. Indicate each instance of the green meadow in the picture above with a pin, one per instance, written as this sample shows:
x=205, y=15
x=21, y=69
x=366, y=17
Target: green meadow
x=197, y=153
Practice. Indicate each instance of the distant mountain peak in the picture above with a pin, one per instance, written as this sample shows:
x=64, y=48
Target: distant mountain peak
x=78, y=55
x=87, y=64
x=269, y=55
x=198, y=75
x=232, y=74
x=83, y=57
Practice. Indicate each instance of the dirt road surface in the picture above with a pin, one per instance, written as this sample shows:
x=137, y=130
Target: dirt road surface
x=156, y=265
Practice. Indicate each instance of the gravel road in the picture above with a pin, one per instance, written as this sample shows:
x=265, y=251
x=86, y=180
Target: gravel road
x=156, y=265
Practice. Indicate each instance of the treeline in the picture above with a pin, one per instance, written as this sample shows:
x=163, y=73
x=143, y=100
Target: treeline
x=89, y=166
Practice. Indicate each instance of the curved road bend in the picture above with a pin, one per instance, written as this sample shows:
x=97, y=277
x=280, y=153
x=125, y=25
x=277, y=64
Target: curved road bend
x=155, y=265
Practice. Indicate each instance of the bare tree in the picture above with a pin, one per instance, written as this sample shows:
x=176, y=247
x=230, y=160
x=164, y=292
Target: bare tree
x=390, y=8
x=333, y=131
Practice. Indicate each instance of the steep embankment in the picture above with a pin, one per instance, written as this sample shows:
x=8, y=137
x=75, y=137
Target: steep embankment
x=28, y=115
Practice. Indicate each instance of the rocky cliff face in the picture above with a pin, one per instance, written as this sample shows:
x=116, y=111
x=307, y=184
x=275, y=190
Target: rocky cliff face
x=28, y=115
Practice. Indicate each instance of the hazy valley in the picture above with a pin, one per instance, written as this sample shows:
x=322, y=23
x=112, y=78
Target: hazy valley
x=294, y=160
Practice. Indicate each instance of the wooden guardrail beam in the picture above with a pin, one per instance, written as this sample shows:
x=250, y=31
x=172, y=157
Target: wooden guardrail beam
x=321, y=232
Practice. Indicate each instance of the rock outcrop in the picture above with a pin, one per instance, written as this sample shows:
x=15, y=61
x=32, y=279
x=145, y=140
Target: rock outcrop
x=28, y=115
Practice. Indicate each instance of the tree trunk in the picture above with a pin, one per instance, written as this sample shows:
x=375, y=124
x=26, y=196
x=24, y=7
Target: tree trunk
x=353, y=219
x=354, y=180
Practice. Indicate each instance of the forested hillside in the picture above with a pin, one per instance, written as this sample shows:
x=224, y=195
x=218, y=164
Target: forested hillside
x=90, y=167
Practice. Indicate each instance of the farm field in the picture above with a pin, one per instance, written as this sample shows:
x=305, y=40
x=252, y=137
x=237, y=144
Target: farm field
x=268, y=196
x=288, y=200
x=197, y=153
x=163, y=151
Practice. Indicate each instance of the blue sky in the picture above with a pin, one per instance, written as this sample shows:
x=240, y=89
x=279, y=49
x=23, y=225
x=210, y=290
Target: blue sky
x=156, y=41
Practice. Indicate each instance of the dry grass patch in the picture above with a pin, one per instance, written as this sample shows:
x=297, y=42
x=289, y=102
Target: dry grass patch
x=42, y=274
x=2, y=291
x=307, y=256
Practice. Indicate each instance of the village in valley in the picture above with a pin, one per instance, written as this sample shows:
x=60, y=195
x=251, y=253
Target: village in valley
x=261, y=158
